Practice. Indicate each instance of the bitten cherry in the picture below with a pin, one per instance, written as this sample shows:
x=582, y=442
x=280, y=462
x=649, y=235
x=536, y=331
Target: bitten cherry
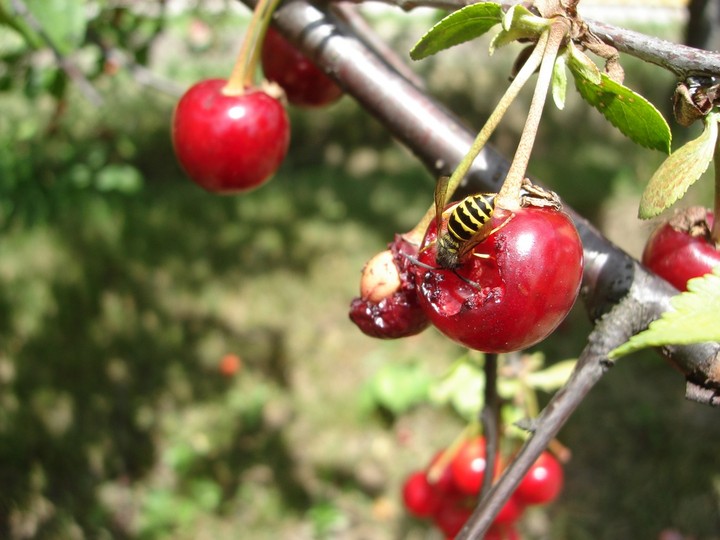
x=229, y=143
x=388, y=307
x=304, y=83
x=681, y=249
x=515, y=287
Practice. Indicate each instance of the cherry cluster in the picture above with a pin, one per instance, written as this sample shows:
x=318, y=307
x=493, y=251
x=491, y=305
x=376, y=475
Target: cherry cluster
x=230, y=136
x=447, y=491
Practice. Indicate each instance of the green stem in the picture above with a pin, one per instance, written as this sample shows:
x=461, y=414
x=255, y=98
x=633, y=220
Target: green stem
x=243, y=72
x=531, y=64
x=509, y=195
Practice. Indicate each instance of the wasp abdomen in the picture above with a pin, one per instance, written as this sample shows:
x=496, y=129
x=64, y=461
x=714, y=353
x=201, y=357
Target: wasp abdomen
x=469, y=216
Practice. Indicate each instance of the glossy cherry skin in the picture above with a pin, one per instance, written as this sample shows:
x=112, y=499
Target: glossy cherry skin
x=304, y=83
x=524, y=281
x=229, y=144
x=677, y=256
x=419, y=496
x=542, y=483
x=468, y=466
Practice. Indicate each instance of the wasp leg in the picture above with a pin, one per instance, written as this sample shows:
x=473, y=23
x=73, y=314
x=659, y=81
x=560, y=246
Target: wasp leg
x=418, y=263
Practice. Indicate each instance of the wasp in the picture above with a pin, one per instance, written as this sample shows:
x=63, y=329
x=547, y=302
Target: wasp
x=465, y=225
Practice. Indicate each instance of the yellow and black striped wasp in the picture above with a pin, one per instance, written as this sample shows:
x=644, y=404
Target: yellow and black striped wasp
x=465, y=225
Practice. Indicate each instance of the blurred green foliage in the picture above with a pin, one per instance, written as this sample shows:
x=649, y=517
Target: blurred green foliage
x=122, y=286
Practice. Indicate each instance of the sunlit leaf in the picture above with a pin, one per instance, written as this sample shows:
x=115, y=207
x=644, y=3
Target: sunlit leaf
x=518, y=23
x=581, y=66
x=551, y=378
x=460, y=26
x=631, y=113
x=679, y=171
x=694, y=318
x=559, y=82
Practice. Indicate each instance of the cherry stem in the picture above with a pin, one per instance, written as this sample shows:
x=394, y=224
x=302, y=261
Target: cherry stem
x=523, y=76
x=243, y=72
x=489, y=419
x=715, y=231
x=509, y=194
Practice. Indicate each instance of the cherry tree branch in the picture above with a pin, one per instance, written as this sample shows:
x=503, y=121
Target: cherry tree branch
x=680, y=60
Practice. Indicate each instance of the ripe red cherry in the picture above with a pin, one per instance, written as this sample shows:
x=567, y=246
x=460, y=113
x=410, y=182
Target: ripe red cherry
x=451, y=516
x=388, y=307
x=681, y=249
x=522, y=288
x=229, y=144
x=542, y=483
x=502, y=532
x=304, y=83
x=468, y=466
x=420, y=498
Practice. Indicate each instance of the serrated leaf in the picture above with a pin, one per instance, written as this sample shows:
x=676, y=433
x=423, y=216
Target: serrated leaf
x=551, y=378
x=694, y=318
x=460, y=26
x=679, y=171
x=518, y=23
x=631, y=113
x=559, y=81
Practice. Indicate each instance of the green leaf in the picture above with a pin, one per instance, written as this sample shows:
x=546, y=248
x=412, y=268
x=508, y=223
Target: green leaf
x=631, y=113
x=461, y=388
x=518, y=23
x=559, y=81
x=581, y=66
x=122, y=178
x=398, y=387
x=63, y=21
x=460, y=26
x=694, y=318
x=679, y=171
x=551, y=378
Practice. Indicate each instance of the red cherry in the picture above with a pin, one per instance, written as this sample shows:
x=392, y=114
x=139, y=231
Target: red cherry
x=442, y=480
x=468, y=466
x=451, y=515
x=543, y=482
x=304, y=83
x=681, y=249
x=420, y=498
x=229, y=144
x=522, y=288
x=502, y=532
x=510, y=512
x=388, y=307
